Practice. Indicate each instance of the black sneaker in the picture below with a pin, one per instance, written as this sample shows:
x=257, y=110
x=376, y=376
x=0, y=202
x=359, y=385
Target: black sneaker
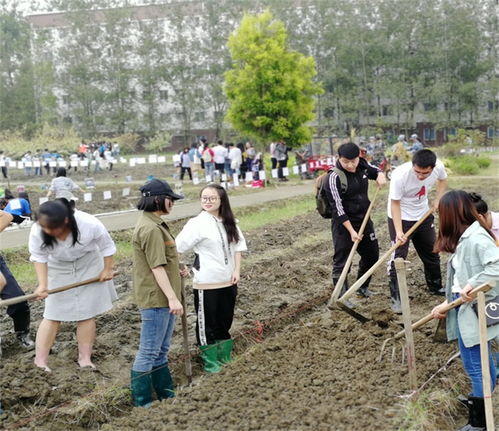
x=364, y=292
x=439, y=292
x=25, y=340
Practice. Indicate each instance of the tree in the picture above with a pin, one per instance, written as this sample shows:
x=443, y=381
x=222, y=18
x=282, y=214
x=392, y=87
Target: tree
x=270, y=88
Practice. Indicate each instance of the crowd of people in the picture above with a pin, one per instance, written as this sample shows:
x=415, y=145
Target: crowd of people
x=67, y=244
x=98, y=156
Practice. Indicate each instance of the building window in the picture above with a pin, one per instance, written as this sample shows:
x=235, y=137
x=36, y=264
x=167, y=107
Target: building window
x=429, y=107
x=329, y=112
x=218, y=115
x=386, y=110
x=132, y=94
x=65, y=99
x=492, y=106
x=163, y=94
x=67, y=120
x=146, y=94
x=199, y=116
x=429, y=134
x=491, y=134
x=451, y=131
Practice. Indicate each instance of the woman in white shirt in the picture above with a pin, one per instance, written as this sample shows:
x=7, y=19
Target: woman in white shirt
x=68, y=246
x=61, y=183
x=218, y=242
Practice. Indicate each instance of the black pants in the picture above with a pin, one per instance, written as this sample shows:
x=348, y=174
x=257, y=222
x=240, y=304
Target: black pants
x=4, y=171
x=215, y=311
x=183, y=171
x=423, y=240
x=273, y=162
x=280, y=165
x=18, y=312
x=368, y=248
x=220, y=167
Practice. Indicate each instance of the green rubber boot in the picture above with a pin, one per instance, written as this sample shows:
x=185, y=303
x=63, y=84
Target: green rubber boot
x=141, y=388
x=209, y=354
x=225, y=350
x=162, y=382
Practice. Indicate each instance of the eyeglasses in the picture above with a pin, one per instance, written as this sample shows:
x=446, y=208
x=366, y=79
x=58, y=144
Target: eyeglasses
x=210, y=199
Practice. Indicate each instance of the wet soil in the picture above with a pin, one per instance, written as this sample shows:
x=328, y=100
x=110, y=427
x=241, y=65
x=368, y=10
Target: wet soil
x=298, y=365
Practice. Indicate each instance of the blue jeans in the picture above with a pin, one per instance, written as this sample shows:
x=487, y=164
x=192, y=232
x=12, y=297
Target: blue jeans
x=209, y=168
x=155, y=336
x=473, y=366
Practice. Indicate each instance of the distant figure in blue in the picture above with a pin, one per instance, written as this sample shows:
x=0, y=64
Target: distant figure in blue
x=416, y=144
x=19, y=208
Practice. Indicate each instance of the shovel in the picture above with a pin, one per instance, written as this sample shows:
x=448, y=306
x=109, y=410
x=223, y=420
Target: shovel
x=356, y=286
x=185, y=334
x=33, y=296
x=337, y=289
x=456, y=303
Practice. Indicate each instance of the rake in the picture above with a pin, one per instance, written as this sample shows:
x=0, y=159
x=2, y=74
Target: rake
x=456, y=303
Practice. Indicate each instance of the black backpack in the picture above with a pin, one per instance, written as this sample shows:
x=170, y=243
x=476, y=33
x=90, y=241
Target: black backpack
x=321, y=200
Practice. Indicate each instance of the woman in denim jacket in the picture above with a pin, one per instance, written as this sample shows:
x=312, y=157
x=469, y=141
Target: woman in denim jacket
x=474, y=261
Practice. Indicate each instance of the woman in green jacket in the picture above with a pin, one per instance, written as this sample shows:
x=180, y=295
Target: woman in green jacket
x=474, y=261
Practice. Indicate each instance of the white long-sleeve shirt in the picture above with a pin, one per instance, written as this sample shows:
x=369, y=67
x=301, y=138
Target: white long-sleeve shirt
x=93, y=236
x=220, y=154
x=204, y=234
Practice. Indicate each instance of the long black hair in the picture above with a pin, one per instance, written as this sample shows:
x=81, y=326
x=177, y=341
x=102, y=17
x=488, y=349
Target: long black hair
x=225, y=212
x=55, y=214
x=480, y=205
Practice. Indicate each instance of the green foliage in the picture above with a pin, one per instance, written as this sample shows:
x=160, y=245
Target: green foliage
x=270, y=87
x=468, y=164
x=159, y=142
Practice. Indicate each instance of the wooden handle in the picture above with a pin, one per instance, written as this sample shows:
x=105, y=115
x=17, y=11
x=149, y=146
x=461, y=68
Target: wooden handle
x=185, y=333
x=456, y=303
x=33, y=296
x=346, y=268
x=356, y=286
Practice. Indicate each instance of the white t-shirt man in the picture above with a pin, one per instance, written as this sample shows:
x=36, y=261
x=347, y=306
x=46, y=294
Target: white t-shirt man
x=235, y=157
x=220, y=154
x=411, y=191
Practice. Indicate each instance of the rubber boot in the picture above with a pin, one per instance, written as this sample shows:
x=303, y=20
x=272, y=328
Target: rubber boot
x=162, y=382
x=141, y=386
x=476, y=418
x=209, y=354
x=395, y=297
x=225, y=351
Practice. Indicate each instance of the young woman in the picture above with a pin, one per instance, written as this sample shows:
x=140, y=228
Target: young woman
x=156, y=284
x=68, y=246
x=218, y=242
x=62, y=183
x=488, y=218
x=474, y=260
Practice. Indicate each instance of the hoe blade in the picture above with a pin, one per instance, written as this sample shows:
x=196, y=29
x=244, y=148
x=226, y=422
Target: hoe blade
x=353, y=313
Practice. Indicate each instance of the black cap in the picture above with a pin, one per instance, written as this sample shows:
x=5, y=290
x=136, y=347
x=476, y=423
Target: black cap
x=349, y=151
x=158, y=188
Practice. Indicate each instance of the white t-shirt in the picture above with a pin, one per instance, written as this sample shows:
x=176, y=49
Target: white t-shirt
x=93, y=236
x=412, y=192
x=220, y=154
x=235, y=156
x=216, y=259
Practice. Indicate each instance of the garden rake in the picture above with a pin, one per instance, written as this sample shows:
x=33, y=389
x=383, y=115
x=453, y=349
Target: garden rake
x=456, y=303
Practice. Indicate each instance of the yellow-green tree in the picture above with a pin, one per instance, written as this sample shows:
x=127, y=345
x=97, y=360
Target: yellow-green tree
x=270, y=87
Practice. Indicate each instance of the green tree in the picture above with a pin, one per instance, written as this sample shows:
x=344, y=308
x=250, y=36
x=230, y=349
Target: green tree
x=270, y=88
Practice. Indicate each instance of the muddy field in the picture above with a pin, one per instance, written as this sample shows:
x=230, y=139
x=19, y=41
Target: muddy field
x=298, y=365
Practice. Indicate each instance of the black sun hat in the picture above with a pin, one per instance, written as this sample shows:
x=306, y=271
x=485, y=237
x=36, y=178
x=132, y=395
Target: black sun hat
x=158, y=188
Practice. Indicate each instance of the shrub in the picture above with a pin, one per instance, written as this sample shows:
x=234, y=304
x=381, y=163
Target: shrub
x=483, y=162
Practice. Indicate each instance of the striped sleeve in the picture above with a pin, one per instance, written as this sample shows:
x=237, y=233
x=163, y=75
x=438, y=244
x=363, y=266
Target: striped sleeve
x=334, y=196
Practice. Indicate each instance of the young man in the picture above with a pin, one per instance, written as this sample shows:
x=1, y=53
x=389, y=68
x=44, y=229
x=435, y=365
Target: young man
x=9, y=288
x=220, y=153
x=349, y=206
x=407, y=203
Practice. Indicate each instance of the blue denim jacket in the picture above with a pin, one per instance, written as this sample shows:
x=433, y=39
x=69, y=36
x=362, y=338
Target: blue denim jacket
x=477, y=258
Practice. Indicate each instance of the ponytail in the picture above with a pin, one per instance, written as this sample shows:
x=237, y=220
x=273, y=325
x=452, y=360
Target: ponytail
x=55, y=213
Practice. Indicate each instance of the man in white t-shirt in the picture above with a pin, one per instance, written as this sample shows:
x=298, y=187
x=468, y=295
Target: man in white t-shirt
x=219, y=157
x=407, y=203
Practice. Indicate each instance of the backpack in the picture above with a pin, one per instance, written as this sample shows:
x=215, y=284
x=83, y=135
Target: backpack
x=207, y=155
x=321, y=201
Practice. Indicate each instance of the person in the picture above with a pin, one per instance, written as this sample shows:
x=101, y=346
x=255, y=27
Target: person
x=18, y=207
x=195, y=157
x=474, y=260
x=416, y=144
x=156, y=285
x=250, y=155
x=398, y=152
x=488, y=218
x=219, y=155
x=27, y=160
x=273, y=156
x=407, y=203
x=3, y=165
x=185, y=164
x=97, y=157
x=209, y=164
x=236, y=160
x=46, y=158
x=218, y=243
x=349, y=208
x=281, y=152
x=19, y=313
x=62, y=183
x=68, y=246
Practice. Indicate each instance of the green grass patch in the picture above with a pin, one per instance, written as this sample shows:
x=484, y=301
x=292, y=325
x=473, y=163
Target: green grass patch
x=468, y=164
